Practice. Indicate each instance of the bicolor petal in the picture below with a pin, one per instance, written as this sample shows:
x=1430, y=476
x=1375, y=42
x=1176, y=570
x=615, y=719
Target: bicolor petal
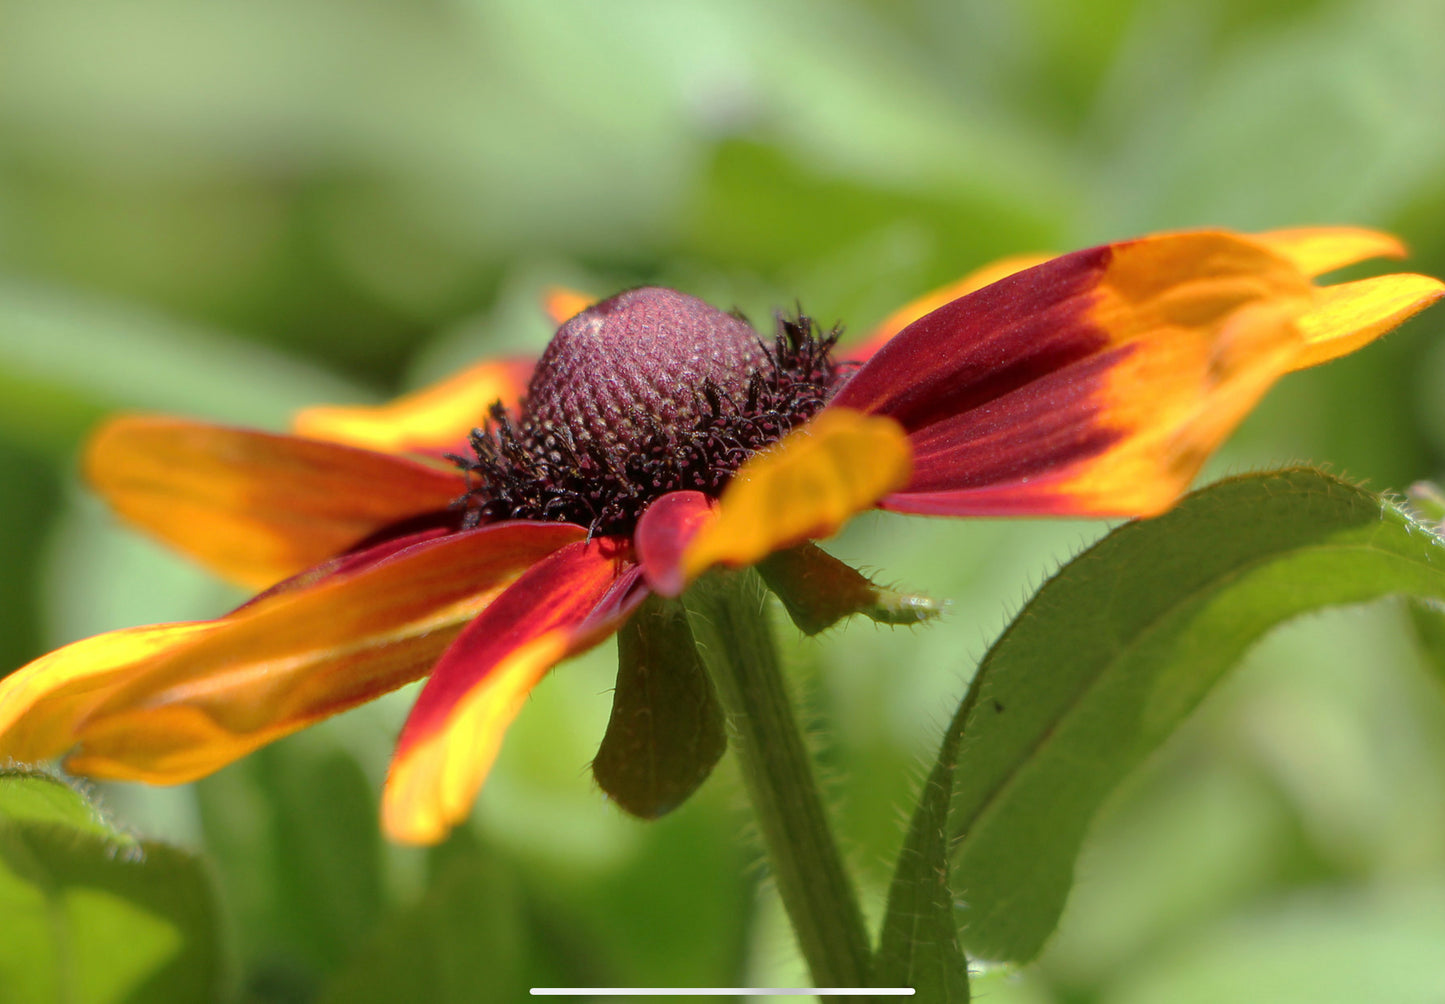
x=563, y=605
x=1094, y=384
x=433, y=420
x=171, y=703
x=807, y=485
x=252, y=506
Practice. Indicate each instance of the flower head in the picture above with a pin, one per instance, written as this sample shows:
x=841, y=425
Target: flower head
x=481, y=531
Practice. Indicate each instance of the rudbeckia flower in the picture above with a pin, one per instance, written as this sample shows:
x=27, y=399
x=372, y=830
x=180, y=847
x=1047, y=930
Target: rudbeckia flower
x=481, y=531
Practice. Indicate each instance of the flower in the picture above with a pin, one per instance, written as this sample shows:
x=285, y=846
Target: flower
x=655, y=438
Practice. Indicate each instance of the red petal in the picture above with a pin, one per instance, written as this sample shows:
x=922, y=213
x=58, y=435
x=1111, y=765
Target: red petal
x=926, y=304
x=662, y=535
x=564, y=604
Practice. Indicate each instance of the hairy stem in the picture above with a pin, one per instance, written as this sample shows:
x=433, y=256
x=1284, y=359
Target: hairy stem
x=727, y=614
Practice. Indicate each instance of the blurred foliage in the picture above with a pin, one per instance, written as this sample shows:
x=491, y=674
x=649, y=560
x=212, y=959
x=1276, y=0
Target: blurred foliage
x=230, y=210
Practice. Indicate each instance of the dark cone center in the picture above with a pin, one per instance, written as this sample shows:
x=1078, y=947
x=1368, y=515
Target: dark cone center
x=650, y=392
x=629, y=365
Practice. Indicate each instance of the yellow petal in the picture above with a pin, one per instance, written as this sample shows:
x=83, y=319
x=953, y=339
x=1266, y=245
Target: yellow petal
x=1317, y=250
x=432, y=787
x=252, y=506
x=42, y=704
x=806, y=485
x=1349, y=315
x=435, y=419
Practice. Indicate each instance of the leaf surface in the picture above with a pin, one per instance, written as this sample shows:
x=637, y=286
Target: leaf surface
x=1116, y=649
x=92, y=915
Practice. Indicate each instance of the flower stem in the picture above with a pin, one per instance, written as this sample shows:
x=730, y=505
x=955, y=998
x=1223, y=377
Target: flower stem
x=727, y=613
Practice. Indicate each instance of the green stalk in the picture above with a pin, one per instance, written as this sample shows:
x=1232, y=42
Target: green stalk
x=728, y=616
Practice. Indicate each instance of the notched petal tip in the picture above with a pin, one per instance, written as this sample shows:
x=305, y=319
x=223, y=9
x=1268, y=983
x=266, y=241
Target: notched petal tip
x=807, y=485
x=1317, y=250
x=1349, y=315
x=43, y=703
x=1098, y=383
x=171, y=703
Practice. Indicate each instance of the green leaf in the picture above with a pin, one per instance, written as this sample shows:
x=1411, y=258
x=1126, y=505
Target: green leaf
x=292, y=834
x=461, y=942
x=817, y=590
x=918, y=946
x=1114, y=651
x=666, y=731
x=93, y=915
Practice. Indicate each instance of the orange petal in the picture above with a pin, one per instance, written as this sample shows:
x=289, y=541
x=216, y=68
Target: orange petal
x=1317, y=250
x=1353, y=314
x=563, y=304
x=928, y=303
x=171, y=703
x=252, y=506
x=433, y=420
x=565, y=604
x=806, y=485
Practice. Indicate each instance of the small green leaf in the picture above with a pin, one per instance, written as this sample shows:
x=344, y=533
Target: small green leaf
x=1114, y=651
x=918, y=946
x=818, y=591
x=93, y=915
x=666, y=731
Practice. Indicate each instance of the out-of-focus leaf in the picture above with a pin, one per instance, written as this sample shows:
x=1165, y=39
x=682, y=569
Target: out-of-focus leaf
x=918, y=946
x=29, y=494
x=92, y=915
x=69, y=357
x=462, y=942
x=1116, y=649
x=294, y=836
x=328, y=848
x=1429, y=621
x=1320, y=947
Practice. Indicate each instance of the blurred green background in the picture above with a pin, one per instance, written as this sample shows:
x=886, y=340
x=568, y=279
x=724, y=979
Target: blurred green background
x=232, y=209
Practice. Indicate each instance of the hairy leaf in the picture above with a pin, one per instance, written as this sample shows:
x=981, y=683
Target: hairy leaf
x=94, y=915
x=918, y=946
x=1114, y=651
